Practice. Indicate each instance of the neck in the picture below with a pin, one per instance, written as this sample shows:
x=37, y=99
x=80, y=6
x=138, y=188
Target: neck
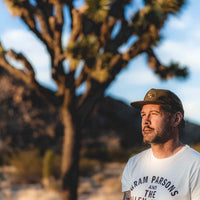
x=166, y=149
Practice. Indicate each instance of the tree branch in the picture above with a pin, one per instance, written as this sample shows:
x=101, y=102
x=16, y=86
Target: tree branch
x=153, y=61
x=28, y=77
x=76, y=24
x=163, y=71
x=86, y=93
x=124, y=34
x=58, y=28
x=138, y=47
x=44, y=27
x=20, y=57
x=87, y=102
x=106, y=30
x=81, y=78
x=96, y=89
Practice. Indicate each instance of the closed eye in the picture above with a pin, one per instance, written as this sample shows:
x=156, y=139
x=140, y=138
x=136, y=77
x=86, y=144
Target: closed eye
x=155, y=113
x=142, y=114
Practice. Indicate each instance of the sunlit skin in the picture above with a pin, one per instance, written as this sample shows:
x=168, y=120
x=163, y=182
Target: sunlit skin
x=160, y=130
x=156, y=124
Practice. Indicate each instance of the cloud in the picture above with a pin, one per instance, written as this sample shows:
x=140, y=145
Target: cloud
x=178, y=22
x=192, y=110
x=190, y=96
x=196, y=34
x=25, y=42
x=33, y=49
x=185, y=53
x=138, y=77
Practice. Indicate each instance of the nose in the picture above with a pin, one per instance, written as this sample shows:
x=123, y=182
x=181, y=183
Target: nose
x=146, y=120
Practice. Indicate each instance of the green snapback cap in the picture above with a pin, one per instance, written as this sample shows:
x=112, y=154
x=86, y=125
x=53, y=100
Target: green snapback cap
x=166, y=98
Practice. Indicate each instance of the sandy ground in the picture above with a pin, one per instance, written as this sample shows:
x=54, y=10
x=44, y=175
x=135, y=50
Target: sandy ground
x=102, y=185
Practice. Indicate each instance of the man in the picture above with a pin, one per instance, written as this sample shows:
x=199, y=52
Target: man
x=168, y=170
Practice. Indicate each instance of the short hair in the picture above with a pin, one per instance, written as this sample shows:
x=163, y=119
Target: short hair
x=181, y=125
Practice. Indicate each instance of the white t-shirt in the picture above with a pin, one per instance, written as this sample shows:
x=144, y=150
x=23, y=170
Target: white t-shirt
x=173, y=178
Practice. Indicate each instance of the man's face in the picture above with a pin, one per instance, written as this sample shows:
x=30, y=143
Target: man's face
x=156, y=124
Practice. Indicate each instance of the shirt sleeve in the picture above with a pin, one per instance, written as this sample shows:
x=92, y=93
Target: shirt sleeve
x=126, y=182
x=195, y=183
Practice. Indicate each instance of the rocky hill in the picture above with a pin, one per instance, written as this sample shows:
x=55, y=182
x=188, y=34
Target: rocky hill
x=26, y=120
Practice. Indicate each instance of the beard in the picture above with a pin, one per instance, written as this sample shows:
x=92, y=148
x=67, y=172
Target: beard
x=152, y=136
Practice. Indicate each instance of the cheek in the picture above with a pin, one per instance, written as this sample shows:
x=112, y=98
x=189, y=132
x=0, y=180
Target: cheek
x=158, y=124
x=165, y=125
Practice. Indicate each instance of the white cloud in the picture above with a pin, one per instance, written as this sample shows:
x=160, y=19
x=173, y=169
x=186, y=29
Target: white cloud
x=139, y=77
x=176, y=22
x=196, y=34
x=25, y=42
x=190, y=96
x=185, y=53
x=192, y=110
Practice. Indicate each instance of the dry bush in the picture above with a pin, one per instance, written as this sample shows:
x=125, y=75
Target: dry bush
x=28, y=165
x=88, y=166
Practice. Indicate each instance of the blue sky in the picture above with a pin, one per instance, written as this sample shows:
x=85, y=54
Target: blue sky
x=181, y=43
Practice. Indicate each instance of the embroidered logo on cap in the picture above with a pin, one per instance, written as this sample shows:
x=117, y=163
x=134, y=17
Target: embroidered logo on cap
x=150, y=95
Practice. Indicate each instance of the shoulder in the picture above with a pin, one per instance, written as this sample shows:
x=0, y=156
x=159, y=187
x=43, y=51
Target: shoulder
x=139, y=156
x=135, y=160
x=192, y=155
x=192, y=152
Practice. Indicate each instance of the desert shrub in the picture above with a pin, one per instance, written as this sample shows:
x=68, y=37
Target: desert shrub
x=111, y=155
x=51, y=170
x=101, y=154
x=88, y=167
x=51, y=165
x=28, y=165
x=48, y=164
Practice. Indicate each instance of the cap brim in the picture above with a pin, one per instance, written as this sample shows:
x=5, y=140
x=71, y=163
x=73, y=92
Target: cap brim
x=139, y=104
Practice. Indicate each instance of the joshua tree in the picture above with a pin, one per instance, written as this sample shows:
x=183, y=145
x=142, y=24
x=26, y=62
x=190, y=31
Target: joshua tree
x=98, y=29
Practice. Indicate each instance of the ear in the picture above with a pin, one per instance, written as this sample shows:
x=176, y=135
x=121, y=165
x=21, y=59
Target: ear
x=178, y=116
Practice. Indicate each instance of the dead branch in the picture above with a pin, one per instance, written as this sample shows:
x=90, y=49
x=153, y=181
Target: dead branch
x=20, y=57
x=76, y=24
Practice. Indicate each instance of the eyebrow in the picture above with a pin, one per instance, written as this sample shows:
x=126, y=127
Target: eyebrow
x=157, y=111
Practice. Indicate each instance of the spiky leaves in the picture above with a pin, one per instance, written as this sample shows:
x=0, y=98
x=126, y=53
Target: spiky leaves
x=15, y=6
x=84, y=48
x=146, y=18
x=175, y=70
x=88, y=49
x=169, y=6
x=154, y=14
x=101, y=70
x=165, y=72
x=97, y=10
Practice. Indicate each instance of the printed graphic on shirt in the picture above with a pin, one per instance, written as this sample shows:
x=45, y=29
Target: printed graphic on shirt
x=148, y=187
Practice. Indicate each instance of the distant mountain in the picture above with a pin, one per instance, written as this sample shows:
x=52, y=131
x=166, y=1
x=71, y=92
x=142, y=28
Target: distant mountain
x=113, y=117
x=26, y=121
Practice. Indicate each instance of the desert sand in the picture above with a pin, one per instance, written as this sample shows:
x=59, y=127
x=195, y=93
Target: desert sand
x=105, y=184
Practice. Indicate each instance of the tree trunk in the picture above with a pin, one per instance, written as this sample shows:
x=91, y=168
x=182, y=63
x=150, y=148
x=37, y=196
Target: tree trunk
x=70, y=155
